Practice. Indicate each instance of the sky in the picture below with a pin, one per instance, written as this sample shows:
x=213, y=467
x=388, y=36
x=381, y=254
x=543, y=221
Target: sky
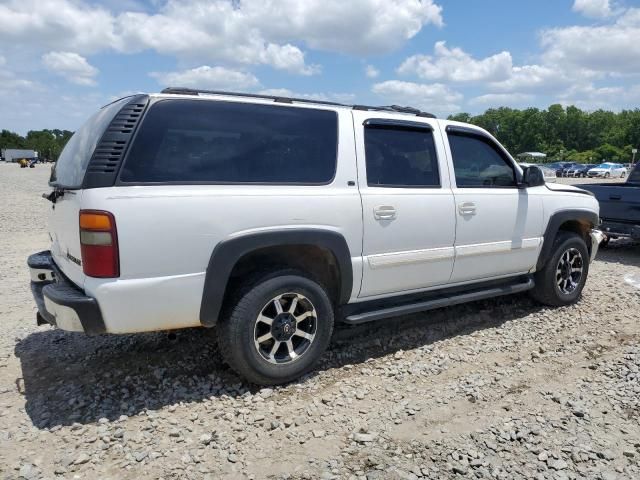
x=60, y=60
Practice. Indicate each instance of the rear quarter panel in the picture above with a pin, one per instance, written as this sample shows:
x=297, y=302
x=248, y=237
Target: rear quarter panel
x=166, y=235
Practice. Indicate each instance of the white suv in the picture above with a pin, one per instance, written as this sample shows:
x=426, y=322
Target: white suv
x=270, y=217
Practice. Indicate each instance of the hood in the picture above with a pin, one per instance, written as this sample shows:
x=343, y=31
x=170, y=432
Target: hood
x=559, y=187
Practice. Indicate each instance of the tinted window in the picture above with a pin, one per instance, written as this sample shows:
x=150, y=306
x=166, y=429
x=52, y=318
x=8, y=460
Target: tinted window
x=477, y=162
x=635, y=174
x=71, y=165
x=206, y=141
x=400, y=157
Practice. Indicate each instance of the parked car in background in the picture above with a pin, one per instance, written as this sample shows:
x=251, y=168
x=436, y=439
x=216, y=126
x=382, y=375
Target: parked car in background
x=560, y=167
x=619, y=206
x=608, y=170
x=568, y=167
x=579, y=170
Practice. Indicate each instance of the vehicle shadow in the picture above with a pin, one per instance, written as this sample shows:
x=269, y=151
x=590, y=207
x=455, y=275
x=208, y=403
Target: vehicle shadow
x=622, y=251
x=71, y=378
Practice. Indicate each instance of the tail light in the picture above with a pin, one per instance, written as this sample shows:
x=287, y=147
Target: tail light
x=99, y=244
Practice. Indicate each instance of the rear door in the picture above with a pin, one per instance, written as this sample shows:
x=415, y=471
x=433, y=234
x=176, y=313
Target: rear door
x=408, y=209
x=67, y=175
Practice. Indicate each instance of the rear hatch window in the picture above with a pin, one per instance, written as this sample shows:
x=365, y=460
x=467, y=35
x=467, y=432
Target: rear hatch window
x=635, y=174
x=197, y=141
x=69, y=170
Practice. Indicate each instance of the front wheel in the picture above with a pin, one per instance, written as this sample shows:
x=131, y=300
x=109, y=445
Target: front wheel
x=278, y=329
x=561, y=280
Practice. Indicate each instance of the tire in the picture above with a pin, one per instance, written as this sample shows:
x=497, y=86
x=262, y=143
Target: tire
x=310, y=319
x=623, y=174
x=552, y=287
x=607, y=175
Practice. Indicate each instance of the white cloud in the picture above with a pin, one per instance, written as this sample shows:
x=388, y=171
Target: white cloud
x=434, y=98
x=250, y=32
x=205, y=77
x=607, y=49
x=539, y=79
x=593, y=8
x=590, y=97
x=357, y=27
x=71, y=66
x=58, y=24
x=502, y=99
x=12, y=84
x=455, y=65
x=371, y=72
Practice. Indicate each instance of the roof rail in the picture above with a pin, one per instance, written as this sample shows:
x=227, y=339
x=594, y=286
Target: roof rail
x=282, y=99
x=275, y=98
x=395, y=108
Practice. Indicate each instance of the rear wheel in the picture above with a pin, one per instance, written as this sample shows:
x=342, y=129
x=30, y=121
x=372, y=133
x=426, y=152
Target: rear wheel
x=278, y=328
x=623, y=174
x=561, y=280
x=607, y=175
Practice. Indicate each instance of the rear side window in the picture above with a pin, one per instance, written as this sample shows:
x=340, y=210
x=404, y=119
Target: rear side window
x=400, y=157
x=72, y=164
x=478, y=162
x=195, y=141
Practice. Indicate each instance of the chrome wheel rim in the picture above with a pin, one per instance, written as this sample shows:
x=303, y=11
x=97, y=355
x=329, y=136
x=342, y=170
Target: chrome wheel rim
x=569, y=271
x=285, y=328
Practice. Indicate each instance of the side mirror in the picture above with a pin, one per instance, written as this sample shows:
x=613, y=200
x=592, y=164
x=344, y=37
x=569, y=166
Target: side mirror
x=532, y=177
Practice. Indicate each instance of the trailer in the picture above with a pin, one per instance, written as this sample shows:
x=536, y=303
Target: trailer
x=12, y=155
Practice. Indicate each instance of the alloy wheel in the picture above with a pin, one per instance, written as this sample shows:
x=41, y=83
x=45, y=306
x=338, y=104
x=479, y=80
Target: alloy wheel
x=285, y=328
x=569, y=271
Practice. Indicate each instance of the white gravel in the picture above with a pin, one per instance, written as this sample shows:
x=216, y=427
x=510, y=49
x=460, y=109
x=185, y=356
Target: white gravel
x=497, y=389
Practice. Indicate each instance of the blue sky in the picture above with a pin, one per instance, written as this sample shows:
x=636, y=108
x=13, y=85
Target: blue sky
x=62, y=59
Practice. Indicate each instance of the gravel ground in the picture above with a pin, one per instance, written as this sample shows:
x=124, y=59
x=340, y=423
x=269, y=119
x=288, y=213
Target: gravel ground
x=495, y=389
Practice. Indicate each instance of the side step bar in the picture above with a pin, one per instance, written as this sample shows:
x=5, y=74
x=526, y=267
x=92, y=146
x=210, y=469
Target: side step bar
x=440, y=301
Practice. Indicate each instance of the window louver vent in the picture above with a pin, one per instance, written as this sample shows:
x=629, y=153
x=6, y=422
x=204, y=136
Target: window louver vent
x=109, y=153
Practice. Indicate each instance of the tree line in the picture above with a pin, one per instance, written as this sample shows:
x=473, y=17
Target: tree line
x=48, y=143
x=563, y=133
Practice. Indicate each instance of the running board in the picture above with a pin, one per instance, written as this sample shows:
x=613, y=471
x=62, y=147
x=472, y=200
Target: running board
x=440, y=301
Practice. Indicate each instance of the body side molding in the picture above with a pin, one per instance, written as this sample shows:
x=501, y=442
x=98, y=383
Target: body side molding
x=227, y=253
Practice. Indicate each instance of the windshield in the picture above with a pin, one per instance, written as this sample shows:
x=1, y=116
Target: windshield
x=604, y=165
x=68, y=172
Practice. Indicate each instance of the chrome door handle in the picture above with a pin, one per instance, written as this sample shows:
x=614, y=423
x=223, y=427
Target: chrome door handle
x=467, y=208
x=384, y=212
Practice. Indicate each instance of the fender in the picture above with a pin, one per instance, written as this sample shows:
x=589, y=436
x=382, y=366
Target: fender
x=227, y=253
x=557, y=219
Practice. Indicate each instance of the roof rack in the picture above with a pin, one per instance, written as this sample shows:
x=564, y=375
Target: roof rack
x=282, y=99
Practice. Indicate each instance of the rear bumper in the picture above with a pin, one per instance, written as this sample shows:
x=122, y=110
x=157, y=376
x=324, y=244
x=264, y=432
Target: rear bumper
x=60, y=302
x=617, y=229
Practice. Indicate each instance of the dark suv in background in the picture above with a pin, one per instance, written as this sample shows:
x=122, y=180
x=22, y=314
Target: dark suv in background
x=578, y=170
x=561, y=167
